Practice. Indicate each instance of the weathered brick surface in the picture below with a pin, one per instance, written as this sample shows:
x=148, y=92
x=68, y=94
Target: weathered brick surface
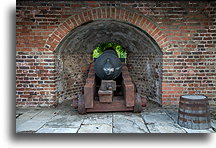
x=185, y=32
x=35, y=79
x=146, y=72
x=72, y=70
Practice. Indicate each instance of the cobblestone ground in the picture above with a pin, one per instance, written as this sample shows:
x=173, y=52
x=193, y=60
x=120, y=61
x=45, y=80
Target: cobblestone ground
x=64, y=119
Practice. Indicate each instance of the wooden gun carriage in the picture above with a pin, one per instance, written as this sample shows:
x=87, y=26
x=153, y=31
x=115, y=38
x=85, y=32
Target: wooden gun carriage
x=109, y=87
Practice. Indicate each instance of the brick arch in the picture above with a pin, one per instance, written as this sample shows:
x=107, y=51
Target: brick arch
x=107, y=13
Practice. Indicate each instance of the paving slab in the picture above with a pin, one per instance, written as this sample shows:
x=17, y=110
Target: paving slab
x=46, y=115
x=213, y=124
x=156, y=118
x=162, y=127
x=162, y=122
x=28, y=114
x=172, y=113
x=198, y=131
x=29, y=126
x=21, y=110
x=128, y=123
x=57, y=130
x=33, y=120
x=95, y=128
x=21, y=121
x=60, y=121
x=25, y=116
x=96, y=123
x=65, y=120
x=155, y=110
x=98, y=118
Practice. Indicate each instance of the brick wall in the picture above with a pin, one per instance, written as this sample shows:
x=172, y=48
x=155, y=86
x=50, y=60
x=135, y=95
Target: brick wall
x=146, y=72
x=35, y=79
x=72, y=71
x=184, y=31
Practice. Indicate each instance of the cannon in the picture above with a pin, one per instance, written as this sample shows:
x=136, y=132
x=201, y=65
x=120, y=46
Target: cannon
x=108, y=65
x=109, y=87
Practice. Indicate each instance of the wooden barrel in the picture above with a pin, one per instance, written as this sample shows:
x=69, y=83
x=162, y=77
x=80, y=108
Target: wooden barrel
x=194, y=112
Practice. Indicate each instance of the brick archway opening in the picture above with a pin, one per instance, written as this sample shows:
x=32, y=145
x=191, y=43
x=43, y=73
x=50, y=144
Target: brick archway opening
x=74, y=55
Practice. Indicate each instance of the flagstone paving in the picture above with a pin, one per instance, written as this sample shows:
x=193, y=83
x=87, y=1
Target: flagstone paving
x=67, y=120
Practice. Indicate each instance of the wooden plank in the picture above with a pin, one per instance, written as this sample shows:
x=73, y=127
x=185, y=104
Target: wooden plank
x=89, y=93
x=116, y=105
x=105, y=96
x=89, y=88
x=129, y=95
x=129, y=88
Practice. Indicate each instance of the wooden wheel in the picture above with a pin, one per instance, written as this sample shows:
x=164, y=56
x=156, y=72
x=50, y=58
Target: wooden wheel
x=137, y=104
x=81, y=105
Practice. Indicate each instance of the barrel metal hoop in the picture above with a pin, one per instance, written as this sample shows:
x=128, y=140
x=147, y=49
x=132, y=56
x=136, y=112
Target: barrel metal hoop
x=195, y=115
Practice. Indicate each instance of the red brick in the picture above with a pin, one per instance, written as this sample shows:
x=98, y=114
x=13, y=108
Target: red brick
x=185, y=45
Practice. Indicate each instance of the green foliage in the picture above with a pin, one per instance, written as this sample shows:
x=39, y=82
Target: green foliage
x=102, y=47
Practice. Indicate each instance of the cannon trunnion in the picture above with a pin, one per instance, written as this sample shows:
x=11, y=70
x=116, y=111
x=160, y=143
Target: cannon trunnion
x=109, y=87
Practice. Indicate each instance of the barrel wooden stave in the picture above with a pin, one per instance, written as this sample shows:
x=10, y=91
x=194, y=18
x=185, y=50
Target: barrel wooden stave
x=194, y=113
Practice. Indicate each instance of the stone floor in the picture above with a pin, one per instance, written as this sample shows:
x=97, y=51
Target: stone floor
x=64, y=119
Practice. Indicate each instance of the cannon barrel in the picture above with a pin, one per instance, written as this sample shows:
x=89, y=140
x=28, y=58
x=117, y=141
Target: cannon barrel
x=108, y=66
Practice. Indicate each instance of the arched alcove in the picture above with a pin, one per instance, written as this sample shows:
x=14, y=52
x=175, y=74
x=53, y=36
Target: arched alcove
x=74, y=54
x=87, y=36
